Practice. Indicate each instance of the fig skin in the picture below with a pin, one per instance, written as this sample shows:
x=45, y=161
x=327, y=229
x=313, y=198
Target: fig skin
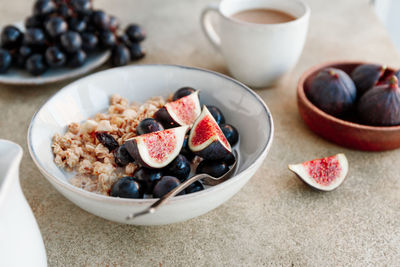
x=163, y=116
x=397, y=73
x=380, y=106
x=333, y=91
x=215, y=151
x=367, y=76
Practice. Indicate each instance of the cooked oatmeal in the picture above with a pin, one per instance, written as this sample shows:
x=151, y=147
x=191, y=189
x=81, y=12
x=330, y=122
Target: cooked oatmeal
x=79, y=150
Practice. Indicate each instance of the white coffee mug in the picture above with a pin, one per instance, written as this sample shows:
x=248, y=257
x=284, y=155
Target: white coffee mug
x=257, y=54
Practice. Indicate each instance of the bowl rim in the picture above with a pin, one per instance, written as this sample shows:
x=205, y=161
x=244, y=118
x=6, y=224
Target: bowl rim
x=128, y=201
x=301, y=96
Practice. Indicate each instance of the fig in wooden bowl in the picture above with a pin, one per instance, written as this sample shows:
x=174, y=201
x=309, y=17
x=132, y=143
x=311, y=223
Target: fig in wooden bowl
x=349, y=130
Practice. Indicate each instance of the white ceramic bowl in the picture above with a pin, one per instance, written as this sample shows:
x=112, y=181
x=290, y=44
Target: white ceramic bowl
x=87, y=96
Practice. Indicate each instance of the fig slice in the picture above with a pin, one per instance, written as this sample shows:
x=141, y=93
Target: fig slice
x=183, y=111
x=157, y=149
x=324, y=174
x=206, y=138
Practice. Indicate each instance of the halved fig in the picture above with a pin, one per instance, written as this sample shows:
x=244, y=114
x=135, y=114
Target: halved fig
x=183, y=111
x=323, y=174
x=157, y=149
x=206, y=139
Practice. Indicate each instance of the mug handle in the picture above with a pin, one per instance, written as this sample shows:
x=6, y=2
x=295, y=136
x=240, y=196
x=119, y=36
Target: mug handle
x=208, y=28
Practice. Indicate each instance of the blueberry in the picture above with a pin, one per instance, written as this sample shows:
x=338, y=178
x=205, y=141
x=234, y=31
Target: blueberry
x=120, y=55
x=43, y=7
x=135, y=33
x=231, y=134
x=34, y=37
x=5, y=60
x=107, y=140
x=213, y=168
x=184, y=91
x=122, y=156
x=186, y=150
x=56, y=26
x=179, y=168
x=127, y=187
x=195, y=187
x=11, y=37
x=77, y=24
x=100, y=20
x=55, y=57
x=107, y=39
x=71, y=41
x=89, y=41
x=164, y=185
x=35, y=64
x=217, y=114
x=77, y=59
x=149, y=178
x=230, y=159
x=136, y=51
x=148, y=125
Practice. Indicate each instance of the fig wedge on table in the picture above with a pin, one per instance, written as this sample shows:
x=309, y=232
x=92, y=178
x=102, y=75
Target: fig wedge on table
x=324, y=174
x=206, y=138
x=157, y=149
x=183, y=111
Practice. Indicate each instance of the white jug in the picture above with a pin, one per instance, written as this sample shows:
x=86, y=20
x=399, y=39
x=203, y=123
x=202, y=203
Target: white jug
x=20, y=241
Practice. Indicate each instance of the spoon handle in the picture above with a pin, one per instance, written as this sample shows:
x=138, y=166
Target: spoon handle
x=167, y=196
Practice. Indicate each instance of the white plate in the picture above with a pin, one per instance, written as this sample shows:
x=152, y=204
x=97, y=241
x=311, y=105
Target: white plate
x=17, y=76
x=82, y=99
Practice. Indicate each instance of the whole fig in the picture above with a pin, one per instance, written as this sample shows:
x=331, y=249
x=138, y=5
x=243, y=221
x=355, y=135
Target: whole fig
x=367, y=76
x=380, y=106
x=332, y=91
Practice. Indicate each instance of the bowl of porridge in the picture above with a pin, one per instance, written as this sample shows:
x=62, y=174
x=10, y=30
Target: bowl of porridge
x=78, y=137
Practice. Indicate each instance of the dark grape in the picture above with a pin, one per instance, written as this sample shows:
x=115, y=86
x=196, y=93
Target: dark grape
x=77, y=24
x=135, y=33
x=89, y=41
x=23, y=53
x=5, y=60
x=77, y=59
x=43, y=7
x=55, y=57
x=120, y=55
x=100, y=20
x=107, y=39
x=34, y=37
x=56, y=26
x=11, y=37
x=35, y=64
x=136, y=51
x=71, y=41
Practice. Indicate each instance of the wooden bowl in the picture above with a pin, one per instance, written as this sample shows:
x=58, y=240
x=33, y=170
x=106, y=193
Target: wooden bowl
x=342, y=132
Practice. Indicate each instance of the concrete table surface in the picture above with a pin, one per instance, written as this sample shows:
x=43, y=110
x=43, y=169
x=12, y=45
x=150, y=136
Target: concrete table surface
x=275, y=220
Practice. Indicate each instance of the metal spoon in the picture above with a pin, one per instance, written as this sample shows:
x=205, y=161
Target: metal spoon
x=208, y=180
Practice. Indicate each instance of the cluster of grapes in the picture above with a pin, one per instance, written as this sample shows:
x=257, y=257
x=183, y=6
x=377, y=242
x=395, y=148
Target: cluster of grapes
x=62, y=33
